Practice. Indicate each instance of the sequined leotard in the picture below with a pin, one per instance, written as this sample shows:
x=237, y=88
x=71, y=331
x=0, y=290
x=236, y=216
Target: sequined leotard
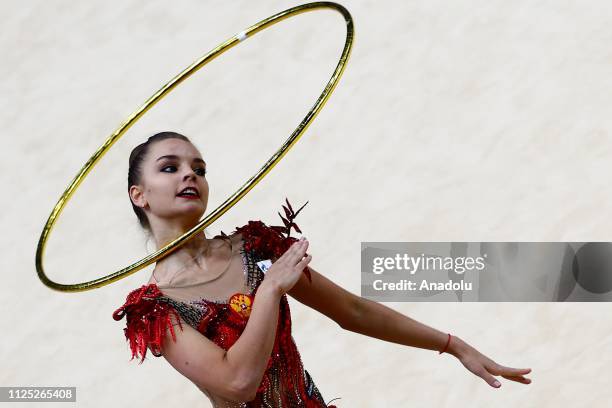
x=285, y=382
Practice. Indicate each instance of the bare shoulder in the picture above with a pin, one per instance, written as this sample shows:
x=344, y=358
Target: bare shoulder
x=235, y=239
x=235, y=236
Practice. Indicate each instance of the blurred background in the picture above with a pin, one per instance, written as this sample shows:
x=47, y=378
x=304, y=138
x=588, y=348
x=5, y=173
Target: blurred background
x=454, y=121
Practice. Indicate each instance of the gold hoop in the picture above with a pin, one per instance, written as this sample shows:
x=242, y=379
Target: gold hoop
x=234, y=198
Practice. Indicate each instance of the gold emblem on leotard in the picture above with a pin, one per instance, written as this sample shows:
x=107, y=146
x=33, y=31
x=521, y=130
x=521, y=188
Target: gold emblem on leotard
x=240, y=303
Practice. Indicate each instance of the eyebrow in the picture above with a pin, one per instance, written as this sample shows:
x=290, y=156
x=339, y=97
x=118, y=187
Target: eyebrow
x=173, y=156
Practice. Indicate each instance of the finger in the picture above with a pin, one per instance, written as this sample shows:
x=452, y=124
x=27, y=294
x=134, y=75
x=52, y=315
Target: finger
x=484, y=374
x=299, y=252
x=519, y=378
x=498, y=369
x=513, y=374
x=292, y=250
x=302, y=264
x=303, y=245
x=513, y=371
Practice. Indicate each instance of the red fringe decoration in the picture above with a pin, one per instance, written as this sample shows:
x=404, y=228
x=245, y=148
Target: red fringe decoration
x=147, y=321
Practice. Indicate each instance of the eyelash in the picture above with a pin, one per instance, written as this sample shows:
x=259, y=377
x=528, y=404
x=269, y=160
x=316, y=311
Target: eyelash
x=199, y=168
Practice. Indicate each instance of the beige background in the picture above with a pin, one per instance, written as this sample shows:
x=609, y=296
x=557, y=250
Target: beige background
x=468, y=121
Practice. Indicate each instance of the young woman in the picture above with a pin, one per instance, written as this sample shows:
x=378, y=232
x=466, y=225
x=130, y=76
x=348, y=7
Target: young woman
x=216, y=309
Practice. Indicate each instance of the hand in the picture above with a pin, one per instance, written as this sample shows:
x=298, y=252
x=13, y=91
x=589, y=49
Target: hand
x=483, y=366
x=286, y=271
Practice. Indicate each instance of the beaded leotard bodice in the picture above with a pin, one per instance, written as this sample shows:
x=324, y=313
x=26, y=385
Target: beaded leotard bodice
x=285, y=382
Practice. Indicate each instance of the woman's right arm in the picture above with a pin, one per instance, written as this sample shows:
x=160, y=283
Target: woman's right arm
x=235, y=374
x=249, y=355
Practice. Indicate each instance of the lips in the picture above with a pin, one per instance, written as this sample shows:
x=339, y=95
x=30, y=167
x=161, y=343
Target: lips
x=189, y=197
x=194, y=192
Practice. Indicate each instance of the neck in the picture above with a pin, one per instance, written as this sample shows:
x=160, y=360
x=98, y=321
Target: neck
x=198, y=244
x=187, y=255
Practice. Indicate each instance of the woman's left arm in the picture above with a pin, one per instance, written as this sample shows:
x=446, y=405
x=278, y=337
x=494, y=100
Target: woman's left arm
x=363, y=316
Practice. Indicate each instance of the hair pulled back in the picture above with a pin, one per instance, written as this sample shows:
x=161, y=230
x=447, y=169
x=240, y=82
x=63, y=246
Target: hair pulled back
x=137, y=158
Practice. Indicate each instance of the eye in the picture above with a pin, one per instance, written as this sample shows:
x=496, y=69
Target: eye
x=200, y=171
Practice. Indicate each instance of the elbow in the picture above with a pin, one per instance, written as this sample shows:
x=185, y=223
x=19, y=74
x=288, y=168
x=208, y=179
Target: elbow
x=348, y=326
x=244, y=381
x=234, y=391
x=354, y=315
x=248, y=395
x=243, y=394
x=243, y=390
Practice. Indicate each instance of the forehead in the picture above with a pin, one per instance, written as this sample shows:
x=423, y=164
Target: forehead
x=175, y=147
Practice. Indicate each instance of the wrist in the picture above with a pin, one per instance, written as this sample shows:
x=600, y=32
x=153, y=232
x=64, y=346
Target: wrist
x=272, y=288
x=457, y=346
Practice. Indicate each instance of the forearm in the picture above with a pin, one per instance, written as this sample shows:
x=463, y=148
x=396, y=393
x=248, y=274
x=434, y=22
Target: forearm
x=251, y=352
x=379, y=321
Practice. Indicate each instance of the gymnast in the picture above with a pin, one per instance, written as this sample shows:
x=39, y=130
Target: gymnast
x=216, y=309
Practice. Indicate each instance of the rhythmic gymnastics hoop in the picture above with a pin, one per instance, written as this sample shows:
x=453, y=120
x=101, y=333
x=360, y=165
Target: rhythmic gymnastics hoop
x=234, y=198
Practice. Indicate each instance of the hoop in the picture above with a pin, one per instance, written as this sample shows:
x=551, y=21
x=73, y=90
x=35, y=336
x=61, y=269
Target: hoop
x=234, y=198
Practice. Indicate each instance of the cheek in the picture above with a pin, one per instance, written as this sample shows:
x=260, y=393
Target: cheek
x=160, y=191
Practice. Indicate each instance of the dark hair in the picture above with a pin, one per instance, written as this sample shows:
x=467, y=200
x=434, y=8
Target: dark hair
x=137, y=157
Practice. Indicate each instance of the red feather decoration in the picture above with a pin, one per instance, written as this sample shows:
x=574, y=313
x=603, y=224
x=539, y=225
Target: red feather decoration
x=272, y=241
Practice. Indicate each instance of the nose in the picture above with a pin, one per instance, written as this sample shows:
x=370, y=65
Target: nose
x=190, y=174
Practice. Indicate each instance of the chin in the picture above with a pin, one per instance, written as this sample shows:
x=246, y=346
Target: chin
x=196, y=209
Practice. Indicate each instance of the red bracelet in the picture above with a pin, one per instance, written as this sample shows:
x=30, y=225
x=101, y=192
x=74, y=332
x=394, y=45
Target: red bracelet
x=447, y=343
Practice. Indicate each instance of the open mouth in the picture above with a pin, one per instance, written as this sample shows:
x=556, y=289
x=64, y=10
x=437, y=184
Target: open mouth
x=189, y=193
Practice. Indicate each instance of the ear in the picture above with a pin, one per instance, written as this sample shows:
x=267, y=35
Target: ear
x=137, y=196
